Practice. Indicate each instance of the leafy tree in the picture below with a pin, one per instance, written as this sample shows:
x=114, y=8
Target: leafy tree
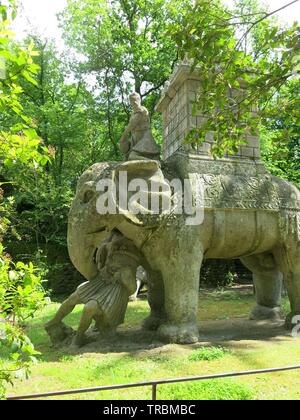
x=81, y=123
x=236, y=74
x=58, y=112
x=281, y=133
x=280, y=114
x=63, y=111
x=21, y=293
x=124, y=46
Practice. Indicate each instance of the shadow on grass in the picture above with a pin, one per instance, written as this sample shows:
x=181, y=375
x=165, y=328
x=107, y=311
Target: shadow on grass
x=133, y=341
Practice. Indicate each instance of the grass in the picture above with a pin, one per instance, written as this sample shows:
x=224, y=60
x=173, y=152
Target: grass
x=209, y=390
x=60, y=369
x=208, y=354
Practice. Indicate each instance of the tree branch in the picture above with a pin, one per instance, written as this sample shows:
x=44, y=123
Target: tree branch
x=155, y=88
x=266, y=16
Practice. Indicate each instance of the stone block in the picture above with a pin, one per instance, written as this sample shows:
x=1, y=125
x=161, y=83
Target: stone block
x=247, y=152
x=183, y=125
x=210, y=137
x=193, y=122
x=257, y=154
x=182, y=113
x=193, y=85
x=253, y=141
x=205, y=147
x=192, y=96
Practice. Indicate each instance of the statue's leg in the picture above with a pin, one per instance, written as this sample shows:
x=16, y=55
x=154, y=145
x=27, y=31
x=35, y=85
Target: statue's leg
x=156, y=299
x=65, y=309
x=268, y=286
x=181, y=275
x=289, y=261
x=55, y=328
x=98, y=322
x=90, y=310
x=103, y=326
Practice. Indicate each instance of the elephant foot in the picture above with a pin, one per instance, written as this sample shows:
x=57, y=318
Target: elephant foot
x=262, y=313
x=292, y=323
x=58, y=333
x=179, y=334
x=152, y=322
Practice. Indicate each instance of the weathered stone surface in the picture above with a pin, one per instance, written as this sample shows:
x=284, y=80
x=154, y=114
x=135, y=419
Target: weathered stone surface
x=254, y=214
x=261, y=313
x=180, y=115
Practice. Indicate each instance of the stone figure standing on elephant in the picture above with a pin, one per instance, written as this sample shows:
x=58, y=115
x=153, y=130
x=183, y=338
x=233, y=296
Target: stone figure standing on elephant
x=142, y=144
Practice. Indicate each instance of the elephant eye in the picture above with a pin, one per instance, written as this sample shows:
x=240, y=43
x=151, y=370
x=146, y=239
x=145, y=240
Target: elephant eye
x=88, y=195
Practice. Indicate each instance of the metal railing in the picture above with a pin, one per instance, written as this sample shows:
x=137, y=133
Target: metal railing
x=153, y=384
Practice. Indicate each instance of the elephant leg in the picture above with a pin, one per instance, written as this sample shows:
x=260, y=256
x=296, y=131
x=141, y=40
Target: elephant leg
x=181, y=281
x=289, y=261
x=268, y=286
x=156, y=299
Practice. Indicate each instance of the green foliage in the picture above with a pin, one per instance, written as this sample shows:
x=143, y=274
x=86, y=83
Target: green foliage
x=22, y=354
x=208, y=353
x=19, y=143
x=21, y=293
x=43, y=187
x=217, y=390
x=281, y=133
x=79, y=107
x=42, y=209
x=125, y=48
x=236, y=73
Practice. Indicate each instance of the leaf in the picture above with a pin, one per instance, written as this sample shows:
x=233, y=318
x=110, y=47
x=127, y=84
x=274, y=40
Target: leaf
x=29, y=78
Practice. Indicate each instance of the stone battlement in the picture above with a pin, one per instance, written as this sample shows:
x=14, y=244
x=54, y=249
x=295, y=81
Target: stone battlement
x=177, y=108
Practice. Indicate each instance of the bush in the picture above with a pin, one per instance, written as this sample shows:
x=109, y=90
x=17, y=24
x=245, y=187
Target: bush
x=21, y=295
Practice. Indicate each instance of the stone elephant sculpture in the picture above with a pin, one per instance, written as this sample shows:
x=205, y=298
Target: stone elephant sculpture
x=252, y=216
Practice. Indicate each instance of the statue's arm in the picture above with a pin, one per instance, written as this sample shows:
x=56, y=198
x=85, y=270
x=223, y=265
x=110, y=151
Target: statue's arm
x=106, y=247
x=127, y=279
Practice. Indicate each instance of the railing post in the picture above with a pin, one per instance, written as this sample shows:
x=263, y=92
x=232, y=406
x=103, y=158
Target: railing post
x=154, y=392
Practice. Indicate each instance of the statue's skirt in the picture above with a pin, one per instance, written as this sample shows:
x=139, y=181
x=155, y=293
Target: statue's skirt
x=112, y=299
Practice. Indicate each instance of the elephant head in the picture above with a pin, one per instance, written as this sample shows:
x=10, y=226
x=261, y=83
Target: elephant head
x=107, y=184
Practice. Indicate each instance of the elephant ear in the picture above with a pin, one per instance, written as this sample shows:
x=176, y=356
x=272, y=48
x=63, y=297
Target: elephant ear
x=143, y=195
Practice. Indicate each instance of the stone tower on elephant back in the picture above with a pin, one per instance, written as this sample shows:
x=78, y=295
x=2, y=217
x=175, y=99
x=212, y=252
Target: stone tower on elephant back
x=177, y=108
x=233, y=182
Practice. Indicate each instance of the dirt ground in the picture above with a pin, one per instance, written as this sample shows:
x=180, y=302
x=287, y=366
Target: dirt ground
x=235, y=333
